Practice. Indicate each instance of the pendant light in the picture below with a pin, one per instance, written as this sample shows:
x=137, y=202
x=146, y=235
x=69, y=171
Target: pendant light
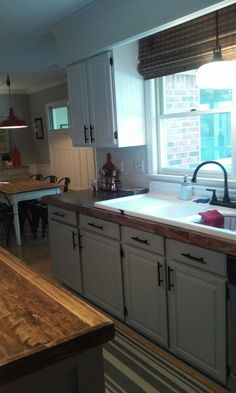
x=12, y=121
x=217, y=74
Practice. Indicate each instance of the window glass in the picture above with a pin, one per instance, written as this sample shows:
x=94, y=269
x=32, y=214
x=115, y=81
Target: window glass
x=194, y=124
x=58, y=117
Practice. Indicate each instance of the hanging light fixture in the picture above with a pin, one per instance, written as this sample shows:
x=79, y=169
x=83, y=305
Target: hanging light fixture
x=217, y=74
x=12, y=121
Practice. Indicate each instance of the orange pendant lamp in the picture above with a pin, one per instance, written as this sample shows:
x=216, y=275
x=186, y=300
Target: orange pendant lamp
x=12, y=121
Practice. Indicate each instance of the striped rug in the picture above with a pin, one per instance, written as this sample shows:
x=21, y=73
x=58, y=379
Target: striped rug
x=130, y=367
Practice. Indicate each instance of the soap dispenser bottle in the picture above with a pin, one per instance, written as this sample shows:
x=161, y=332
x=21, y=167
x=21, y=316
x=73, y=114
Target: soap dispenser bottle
x=185, y=189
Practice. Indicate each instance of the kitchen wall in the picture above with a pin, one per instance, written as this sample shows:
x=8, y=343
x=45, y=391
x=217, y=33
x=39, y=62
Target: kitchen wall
x=110, y=23
x=37, y=102
x=22, y=138
x=86, y=33
x=130, y=160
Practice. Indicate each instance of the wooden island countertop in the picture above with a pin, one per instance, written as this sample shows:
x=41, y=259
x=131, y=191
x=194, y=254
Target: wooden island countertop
x=42, y=323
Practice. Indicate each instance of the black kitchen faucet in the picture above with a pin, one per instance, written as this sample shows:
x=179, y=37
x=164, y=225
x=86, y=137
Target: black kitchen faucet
x=214, y=201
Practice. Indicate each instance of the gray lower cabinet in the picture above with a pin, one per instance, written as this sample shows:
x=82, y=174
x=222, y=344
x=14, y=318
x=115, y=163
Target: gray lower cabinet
x=197, y=307
x=145, y=283
x=172, y=292
x=64, y=241
x=101, y=264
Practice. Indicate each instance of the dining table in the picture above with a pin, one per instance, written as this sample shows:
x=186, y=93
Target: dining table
x=23, y=190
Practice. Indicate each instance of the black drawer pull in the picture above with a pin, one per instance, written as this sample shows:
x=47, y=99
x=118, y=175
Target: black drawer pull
x=159, y=266
x=95, y=225
x=73, y=240
x=58, y=214
x=169, y=283
x=86, y=139
x=193, y=258
x=137, y=239
x=91, y=133
x=80, y=242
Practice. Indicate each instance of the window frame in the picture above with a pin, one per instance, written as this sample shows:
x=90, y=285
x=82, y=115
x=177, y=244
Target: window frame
x=154, y=113
x=55, y=105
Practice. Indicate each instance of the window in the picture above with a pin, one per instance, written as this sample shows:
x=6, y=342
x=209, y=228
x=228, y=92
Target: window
x=58, y=115
x=194, y=125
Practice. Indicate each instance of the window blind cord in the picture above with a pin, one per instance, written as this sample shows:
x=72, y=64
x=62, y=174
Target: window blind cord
x=217, y=50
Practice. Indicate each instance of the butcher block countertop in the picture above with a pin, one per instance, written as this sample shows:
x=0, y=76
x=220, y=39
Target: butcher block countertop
x=83, y=202
x=41, y=323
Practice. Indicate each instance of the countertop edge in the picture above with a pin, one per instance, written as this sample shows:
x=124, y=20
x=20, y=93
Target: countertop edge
x=99, y=330
x=211, y=242
x=38, y=360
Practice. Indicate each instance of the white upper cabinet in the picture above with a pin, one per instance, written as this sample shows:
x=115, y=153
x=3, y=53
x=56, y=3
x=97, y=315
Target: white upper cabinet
x=78, y=98
x=100, y=98
x=129, y=96
x=106, y=96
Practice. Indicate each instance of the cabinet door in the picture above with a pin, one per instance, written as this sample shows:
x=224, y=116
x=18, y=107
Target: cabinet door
x=197, y=318
x=65, y=255
x=101, y=111
x=78, y=98
x=102, y=275
x=145, y=293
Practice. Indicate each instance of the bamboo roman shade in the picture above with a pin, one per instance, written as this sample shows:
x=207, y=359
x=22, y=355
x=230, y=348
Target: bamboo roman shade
x=189, y=45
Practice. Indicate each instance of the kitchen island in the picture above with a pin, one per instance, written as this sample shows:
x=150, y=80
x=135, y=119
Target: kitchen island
x=50, y=339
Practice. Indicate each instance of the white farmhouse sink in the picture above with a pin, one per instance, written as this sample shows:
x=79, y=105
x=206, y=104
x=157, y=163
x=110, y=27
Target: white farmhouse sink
x=173, y=210
x=134, y=203
x=153, y=208
x=168, y=209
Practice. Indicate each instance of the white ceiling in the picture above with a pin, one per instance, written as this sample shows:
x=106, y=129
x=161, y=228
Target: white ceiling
x=28, y=49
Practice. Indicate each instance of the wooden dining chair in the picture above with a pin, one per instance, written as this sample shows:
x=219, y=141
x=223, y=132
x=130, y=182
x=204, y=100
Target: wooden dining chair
x=40, y=210
x=50, y=179
x=25, y=206
x=65, y=181
x=36, y=209
x=36, y=176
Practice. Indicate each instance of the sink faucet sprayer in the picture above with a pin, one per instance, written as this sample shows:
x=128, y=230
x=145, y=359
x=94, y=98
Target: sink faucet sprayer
x=214, y=201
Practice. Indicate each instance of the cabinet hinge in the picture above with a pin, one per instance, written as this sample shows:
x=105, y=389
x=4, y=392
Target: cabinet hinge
x=122, y=253
x=111, y=61
x=115, y=135
x=228, y=371
x=125, y=311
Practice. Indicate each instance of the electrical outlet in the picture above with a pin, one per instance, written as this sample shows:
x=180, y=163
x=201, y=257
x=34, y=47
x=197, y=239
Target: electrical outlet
x=139, y=166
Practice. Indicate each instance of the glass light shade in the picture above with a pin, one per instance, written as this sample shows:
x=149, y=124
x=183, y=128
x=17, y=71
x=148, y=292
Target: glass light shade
x=218, y=74
x=12, y=121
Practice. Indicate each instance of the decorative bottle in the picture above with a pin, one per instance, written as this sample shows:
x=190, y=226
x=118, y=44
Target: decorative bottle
x=185, y=189
x=16, y=158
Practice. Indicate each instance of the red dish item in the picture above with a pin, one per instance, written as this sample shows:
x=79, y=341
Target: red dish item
x=212, y=218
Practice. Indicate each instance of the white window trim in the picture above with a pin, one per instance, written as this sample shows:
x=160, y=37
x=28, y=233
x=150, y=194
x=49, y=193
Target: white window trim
x=57, y=104
x=152, y=109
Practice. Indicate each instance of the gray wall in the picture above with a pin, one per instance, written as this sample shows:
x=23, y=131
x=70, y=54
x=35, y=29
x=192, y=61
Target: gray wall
x=38, y=103
x=22, y=138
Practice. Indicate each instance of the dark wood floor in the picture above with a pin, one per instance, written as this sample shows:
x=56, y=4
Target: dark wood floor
x=34, y=252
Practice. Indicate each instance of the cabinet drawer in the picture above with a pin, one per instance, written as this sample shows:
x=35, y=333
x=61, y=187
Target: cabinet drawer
x=144, y=240
x=58, y=214
x=196, y=256
x=100, y=226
